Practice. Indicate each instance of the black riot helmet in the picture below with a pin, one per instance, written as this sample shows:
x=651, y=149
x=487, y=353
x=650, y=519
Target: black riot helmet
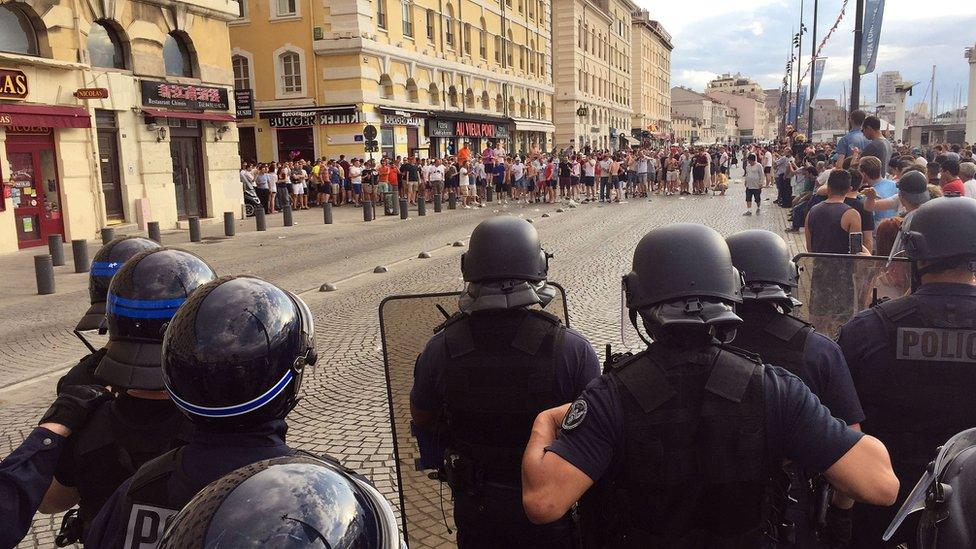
x=288, y=502
x=504, y=248
x=683, y=280
x=946, y=496
x=941, y=234
x=235, y=352
x=107, y=261
x=766, y=266
x=143, y=296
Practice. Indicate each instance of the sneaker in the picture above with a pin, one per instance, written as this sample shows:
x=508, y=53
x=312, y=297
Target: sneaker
x=748, y=213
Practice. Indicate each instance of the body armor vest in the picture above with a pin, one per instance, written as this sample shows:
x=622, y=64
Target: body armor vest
x=917, y=391
x=112, y=447
x=501, y=374
x=694, y=472
x=779, y=339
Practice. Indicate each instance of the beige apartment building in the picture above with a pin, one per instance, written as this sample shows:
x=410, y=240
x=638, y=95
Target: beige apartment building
x=430, y=75
x=592, y=72
x=651, y=69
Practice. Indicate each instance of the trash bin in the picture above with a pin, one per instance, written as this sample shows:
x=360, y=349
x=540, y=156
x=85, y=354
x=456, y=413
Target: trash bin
x=389, y=203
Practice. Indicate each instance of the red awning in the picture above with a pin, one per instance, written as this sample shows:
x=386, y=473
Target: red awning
x=217, y=116
x=44, y=116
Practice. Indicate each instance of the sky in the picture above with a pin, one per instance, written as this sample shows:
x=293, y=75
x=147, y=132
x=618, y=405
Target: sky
x=712, y=37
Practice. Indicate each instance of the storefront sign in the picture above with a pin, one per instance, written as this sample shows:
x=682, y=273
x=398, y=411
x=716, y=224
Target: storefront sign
x=340, y=117
x=397, y=120
x=13, y=84
x=463, y=128
x=475, y=129
x=244, y=103
x=179, y=96
x=291, y=120
x=91, y=93
x=440, y=128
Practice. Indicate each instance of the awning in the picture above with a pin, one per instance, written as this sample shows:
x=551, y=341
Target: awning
x=44, y=116
x=305, y=111
x=626, y=138
x=526, y=125
x=215, y=116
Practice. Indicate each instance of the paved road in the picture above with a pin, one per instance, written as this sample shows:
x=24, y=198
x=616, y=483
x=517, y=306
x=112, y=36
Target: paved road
x=344, y=409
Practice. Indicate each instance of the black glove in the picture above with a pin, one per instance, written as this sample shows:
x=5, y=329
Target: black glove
x=836, y=531
x=74, y=404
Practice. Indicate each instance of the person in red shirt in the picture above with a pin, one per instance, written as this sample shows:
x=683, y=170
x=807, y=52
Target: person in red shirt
x=950, y=182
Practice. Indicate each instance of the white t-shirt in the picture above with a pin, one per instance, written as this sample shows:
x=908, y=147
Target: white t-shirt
x=518, y=170
x=768, y=160
x=574, y=169
x=970, y=188
x=605, y=168
x=754, y=176
x=435, y=173
x=356, y=175
x=589, y=168
x=463, y=176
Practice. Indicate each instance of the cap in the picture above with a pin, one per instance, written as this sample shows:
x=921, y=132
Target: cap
x=914, y=187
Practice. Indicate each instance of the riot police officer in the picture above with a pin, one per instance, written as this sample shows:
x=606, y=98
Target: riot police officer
x=779, y=338
x=913, y=359
x=685, y=440
x=107, y=261
x=232, y=361
x=490, y=370
x=142, y=423
x=259, y=505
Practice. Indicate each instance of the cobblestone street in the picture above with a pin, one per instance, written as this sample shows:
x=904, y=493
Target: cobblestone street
x=344, y=409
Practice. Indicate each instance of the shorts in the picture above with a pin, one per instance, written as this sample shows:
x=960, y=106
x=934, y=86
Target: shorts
x=436, y=186
x=357, y=188
x=335, y=188
x=368, y=188
x=384, y=188
x=347, y=185
x=521, y=182
x=574, y=180
x=767, y=169
x=757, y=193
x=297, y=189
x=588, y=180
x=672, y=176
x=565, y=182
x=642, y=177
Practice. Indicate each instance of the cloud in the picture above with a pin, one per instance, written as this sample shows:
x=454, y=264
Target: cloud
x=756, y=27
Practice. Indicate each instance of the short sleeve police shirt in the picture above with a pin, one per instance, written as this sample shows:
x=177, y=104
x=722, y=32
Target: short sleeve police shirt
x=828, y=376
x=798, y=427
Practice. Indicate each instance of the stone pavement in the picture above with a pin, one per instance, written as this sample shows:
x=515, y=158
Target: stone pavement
x=344, y=409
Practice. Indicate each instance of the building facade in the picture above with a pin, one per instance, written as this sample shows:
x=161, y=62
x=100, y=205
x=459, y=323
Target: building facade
x=430, y=75
x=592, y=73
x=118, y=115
x=736, y=83
x=651, y=70
x=753, y=119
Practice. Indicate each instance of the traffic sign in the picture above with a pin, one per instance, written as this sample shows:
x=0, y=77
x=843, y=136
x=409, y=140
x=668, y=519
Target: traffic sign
x=370, y=131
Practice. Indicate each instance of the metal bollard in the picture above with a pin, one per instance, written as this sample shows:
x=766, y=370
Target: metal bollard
x=79, y=252
x=154, y=233
x=368, y=210
x=260, y=222
x=44, y=273
x=396, y=203
x=403, y=208
x=108, y=233
x=451, y=201
x=229, y=228
x=55, y=245
x=489, y=193
x=327, y=213
x=437, y=203
x=286, y=216
x=194, y=229
x=421, y=206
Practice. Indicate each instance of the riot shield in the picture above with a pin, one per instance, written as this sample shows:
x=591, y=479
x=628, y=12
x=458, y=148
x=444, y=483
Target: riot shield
x=835, y=286
x=407, y=322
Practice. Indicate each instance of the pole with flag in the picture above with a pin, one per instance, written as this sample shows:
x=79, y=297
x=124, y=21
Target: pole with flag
x=813, y=59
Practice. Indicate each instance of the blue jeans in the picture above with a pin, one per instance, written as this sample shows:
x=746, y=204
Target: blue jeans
x=604, y=188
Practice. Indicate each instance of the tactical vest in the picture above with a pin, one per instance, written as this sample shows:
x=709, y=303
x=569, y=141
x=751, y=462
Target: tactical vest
x=693, y=473
x=501, y=373
x=918, y=391
x=112, y=447
x=778, y=339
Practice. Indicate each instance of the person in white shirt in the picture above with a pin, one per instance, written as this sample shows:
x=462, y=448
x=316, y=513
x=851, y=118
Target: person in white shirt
x=767, y=166
x=517, y=170
x=465, y=188
x=589, y=176
x=435, y=177
x=967, y=172
x=356, y=177
x=754, y=184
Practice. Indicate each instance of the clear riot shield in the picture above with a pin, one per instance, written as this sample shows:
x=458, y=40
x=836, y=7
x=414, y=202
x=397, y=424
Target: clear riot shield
x=835, y=286
x=407, y=322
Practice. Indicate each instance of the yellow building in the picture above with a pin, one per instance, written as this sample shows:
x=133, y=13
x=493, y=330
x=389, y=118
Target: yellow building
x=428, y=74
x=120, y=116
x=592, y=66
x=651, y=70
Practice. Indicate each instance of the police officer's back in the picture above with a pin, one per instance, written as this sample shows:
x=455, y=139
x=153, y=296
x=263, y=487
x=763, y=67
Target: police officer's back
x=141, y=423
x=779, y=338
x=913, y=359
x=685, y=440
x=491, y=369
x=233, y=359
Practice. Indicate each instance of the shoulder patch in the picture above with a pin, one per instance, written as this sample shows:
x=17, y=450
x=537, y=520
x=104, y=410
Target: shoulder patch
x=575, y=415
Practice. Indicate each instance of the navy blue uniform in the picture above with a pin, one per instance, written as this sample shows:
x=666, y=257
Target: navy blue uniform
x=913, y=361
x=798, y=428
x=25, y=476
x=206, y=458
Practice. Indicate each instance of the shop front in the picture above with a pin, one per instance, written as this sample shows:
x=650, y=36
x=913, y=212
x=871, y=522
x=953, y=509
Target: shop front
x=401, y=131
x=295, y=130
x=531, y=135
x=448, y=132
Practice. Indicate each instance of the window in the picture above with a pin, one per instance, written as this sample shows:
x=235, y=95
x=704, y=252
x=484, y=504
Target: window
x=381, y=14
x=176, y=56
x=413, y=94
x=499, y=103
x=469, y=99
x=386, y=87
x=466, y=38
x=520, y=6
x=16, y=32
x=242, y=8
x=521, y=57
x=287, y=7
x=485, y=101
x=291, y=72
x=104, y=47
x=579, y=34
x=452, y=96
x=483, y=40
x=508, y=50
x=242, y=72
x=542, y=110
x=430, y=25
x=449, y=26
x=406, y=13
x=498, y=49
x=532, y=55
x=433, y=95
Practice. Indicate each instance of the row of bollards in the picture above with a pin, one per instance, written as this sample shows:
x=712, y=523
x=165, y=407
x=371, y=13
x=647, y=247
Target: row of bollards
x=44, y=264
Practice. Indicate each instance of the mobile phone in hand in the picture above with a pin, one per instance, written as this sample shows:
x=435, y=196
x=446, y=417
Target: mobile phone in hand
x=857, y=243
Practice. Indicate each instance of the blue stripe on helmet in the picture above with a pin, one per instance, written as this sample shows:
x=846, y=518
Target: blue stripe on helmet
x=145, y=303
x=129, y=312
x=238, y=409
x=105, y=268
